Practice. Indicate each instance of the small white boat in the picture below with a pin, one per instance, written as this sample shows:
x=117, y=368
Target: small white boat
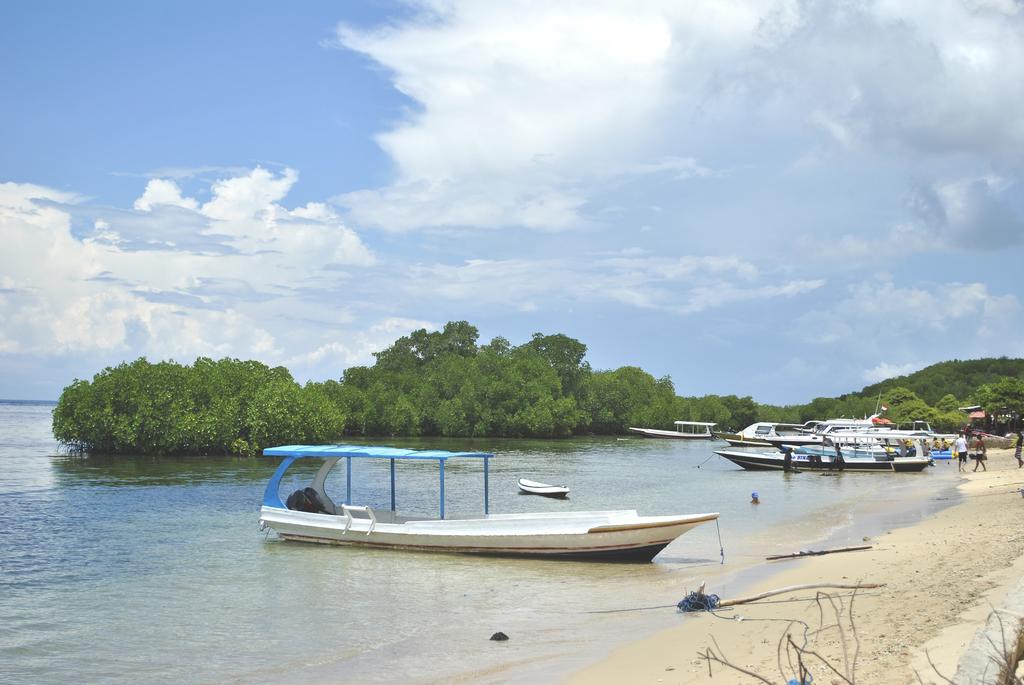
x=685, y=430
x=311, y=515
x=534, y=488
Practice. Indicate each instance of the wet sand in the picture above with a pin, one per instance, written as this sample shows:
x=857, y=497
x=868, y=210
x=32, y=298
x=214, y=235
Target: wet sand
x=941, y=574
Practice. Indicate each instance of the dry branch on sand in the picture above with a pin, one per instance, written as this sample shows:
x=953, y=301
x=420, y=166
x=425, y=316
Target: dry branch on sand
x=799, y=660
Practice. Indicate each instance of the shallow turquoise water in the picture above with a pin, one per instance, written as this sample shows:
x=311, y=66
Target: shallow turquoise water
x=129, y=569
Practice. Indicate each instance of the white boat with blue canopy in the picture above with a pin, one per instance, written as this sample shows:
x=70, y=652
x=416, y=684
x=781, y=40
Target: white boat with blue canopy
x=312, y=515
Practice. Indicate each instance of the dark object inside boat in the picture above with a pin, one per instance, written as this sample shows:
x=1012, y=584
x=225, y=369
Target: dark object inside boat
x=306, y=499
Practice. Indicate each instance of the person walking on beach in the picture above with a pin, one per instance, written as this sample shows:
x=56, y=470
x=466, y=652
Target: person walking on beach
x=1016, y=449
x=960, y=447
x=979, y=453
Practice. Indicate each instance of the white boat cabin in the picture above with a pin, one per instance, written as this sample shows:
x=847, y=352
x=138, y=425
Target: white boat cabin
x=695, y=429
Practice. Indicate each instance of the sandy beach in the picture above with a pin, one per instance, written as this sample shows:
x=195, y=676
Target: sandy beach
x=941, y=575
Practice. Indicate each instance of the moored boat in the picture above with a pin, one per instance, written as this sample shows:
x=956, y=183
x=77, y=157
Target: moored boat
x=763, y=461
x=311, y=515
x=685, y=430
x=532, y=487
x=757, y=434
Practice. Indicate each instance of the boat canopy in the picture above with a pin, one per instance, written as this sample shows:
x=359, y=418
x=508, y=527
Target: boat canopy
x=694, y=423
x=333, y=453
x=880, y=436
x=366, y=452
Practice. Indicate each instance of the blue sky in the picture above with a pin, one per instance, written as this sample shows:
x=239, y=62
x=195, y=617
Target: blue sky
x=771, y=198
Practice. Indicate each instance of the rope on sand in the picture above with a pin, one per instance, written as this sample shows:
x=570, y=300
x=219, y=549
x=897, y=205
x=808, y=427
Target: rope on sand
x=697, y=601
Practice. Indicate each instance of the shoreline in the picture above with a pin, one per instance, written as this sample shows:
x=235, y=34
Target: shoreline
x=646, y=608
x=942, y=570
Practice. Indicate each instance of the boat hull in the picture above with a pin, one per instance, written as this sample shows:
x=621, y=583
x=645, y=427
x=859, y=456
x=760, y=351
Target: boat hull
x=737, y=440
x=529, y=487
x=623, y=536
x=795, y=440
x=670, y=435
x=754, y=461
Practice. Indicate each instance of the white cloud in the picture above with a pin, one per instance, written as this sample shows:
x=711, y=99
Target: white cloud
x=879, y=318
x=356, y=348
x=674, y=285
x=244, y=197
x=971, y=213
x=703, y=297
x=974, y=213
x=22, y=197
x=524, y=113
x=885, y=370
x=161, y=191
x=168, y=279
x=244, y=275
x=523, y=103
x=482, y=202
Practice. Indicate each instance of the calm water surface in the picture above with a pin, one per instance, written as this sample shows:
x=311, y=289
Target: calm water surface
x=153, y=569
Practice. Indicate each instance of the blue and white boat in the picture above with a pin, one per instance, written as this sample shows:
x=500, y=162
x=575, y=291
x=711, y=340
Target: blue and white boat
x=776, y=461
x=312, y=515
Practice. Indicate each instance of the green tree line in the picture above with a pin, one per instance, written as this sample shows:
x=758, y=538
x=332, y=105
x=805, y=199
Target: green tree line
x=440, y=383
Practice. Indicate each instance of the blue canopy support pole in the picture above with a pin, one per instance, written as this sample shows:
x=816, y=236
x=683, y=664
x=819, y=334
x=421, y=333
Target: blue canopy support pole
x=486, y=490
x=441, y=461
x=392, y=485
x=348, y=480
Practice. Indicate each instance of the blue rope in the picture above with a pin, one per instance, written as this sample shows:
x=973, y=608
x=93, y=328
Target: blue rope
x=698, y=602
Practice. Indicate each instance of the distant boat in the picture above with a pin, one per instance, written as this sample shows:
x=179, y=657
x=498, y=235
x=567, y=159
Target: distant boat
x=761, y=461
x=685, y=430
x=828, y=430
x=532, y=487
x=311, y=515
x=757, y=434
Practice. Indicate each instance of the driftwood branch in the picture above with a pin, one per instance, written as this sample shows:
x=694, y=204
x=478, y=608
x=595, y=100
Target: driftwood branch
x=794, y=588
x=813, y=553
x=797, y=661
x=720, y=658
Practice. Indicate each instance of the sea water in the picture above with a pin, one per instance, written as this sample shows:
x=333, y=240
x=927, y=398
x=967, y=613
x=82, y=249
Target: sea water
x=129, y=569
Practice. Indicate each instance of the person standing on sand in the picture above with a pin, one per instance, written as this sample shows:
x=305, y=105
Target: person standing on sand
x=960, y=447
x=980, y=454
x=1016, y=449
